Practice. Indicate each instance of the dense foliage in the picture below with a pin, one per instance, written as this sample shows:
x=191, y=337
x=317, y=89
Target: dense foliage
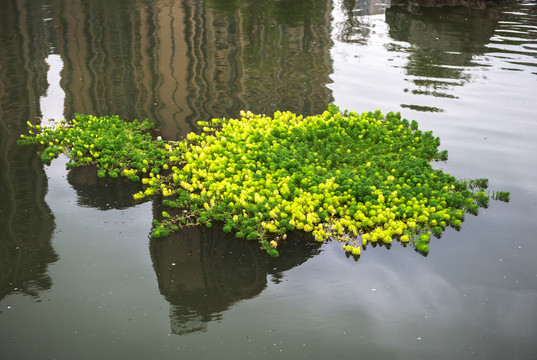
x=359, y=178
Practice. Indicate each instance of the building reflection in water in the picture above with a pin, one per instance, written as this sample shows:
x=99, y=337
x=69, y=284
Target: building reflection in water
x=445, y=38
x=172, y=62
x=26, y=222
x=179, y=62
x=203, y=272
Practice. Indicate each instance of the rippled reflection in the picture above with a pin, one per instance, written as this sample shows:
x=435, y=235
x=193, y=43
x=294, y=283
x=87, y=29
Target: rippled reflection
x=180, y=62
x=26, y=222
x=444, y=43
x=176, y=62
x=515, y=40
x=173, y=62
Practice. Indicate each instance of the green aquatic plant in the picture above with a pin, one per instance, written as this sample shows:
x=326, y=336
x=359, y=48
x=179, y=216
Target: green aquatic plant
x=117, y=147
x=357, y=178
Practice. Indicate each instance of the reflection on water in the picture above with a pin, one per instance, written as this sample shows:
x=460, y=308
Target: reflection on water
x=51, y=103
x=125, y=59
x=102, y=194
x=179, y=62
x=444, y=40
x=202, y=273
x=176, y=62
x=172, y=62
x=515, y=40
x=357, y=27
x=26, y=222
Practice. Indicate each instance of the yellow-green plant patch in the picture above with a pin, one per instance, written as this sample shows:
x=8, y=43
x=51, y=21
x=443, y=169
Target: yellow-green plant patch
x=358, y=178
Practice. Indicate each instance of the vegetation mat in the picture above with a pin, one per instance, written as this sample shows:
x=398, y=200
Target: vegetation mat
x=357, y=178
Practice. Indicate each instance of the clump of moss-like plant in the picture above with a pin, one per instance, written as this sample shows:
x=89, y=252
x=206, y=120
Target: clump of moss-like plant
x=116, y=147
x=358, y=178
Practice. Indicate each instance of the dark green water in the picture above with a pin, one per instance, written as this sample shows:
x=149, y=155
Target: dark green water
x=81, y=279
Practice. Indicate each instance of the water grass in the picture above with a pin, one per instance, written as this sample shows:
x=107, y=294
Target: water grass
x=356, y=178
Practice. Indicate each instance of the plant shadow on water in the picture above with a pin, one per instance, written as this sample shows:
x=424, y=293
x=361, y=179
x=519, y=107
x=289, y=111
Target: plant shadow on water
x=102, y=194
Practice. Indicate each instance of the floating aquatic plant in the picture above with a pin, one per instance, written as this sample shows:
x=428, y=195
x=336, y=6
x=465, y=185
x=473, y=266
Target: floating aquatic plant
x=358, y=178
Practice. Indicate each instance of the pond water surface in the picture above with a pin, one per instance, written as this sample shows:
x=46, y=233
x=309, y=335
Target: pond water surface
x=80, y=278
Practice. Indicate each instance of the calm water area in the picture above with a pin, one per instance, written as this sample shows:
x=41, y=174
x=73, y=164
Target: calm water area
x=80, y=277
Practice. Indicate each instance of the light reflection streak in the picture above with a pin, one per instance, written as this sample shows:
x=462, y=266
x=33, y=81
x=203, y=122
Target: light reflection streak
x=52, y=104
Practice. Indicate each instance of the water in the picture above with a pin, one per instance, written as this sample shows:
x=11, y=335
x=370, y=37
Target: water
x=79, y=276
